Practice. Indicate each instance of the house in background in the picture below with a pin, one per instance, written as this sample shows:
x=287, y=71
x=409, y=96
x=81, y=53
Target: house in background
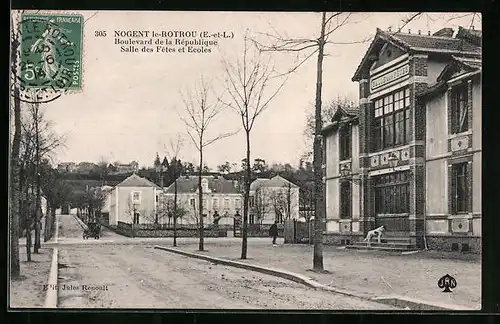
x=123, y=168
x=66, y=167
x=134, y=200
x=86, y=167
x=221, y=197
x=271, y=200
x=411, y=158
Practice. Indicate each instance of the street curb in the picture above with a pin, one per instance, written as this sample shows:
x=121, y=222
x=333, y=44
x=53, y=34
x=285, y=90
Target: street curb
x=416, y=304
x=51, y=295
x=266, y=270
x=396, y=301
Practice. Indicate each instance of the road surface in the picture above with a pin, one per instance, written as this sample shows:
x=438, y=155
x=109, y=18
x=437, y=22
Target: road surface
x=95, y=275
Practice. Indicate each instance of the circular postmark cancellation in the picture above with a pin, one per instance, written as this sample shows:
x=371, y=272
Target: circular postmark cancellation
x=49, y=57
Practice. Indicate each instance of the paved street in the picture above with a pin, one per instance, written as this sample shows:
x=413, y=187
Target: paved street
x=132, y=275
x=368, y=273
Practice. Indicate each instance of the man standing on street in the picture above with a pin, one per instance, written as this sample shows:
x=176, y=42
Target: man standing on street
x=273, y=231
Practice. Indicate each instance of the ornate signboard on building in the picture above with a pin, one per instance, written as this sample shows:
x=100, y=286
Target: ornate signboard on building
x=390, y=77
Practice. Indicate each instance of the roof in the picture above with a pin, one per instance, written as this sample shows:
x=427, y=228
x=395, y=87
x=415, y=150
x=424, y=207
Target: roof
x=274, y=182
x=456, y=67
x=135, y=181
x=189, y=184
x=352, y=114
x=465, y=42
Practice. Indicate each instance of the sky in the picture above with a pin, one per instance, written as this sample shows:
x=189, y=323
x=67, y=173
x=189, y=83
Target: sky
x=130, y=105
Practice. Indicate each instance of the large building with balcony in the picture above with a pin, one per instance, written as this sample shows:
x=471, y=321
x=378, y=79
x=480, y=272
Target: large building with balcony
x=410, y=157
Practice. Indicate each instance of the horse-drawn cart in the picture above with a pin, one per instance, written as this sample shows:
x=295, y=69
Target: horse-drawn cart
x=93, y=230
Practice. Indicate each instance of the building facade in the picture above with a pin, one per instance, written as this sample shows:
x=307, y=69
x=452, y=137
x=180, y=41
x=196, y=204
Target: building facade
x=222, y=199
x=271, y=200
x=415, y=143
x=133, y=201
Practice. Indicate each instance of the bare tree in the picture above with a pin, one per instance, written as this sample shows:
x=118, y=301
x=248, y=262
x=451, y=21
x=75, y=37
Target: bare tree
x=330, y=23
x=14, y=192
x=247, y=82
x=201, y=112
x=327, y=113
x=262, y=204
x=174, y=169
x=38, y=142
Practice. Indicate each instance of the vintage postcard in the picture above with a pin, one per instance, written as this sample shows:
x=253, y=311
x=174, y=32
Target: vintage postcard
x=245, y=160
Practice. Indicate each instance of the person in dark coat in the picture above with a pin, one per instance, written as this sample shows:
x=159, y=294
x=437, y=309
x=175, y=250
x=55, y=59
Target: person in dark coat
x=273, y=231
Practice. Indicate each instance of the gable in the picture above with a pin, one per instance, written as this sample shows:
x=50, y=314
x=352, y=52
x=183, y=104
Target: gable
x=454, y=69
x=388, y=53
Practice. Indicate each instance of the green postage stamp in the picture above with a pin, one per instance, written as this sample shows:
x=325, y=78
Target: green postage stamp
x=51, y=52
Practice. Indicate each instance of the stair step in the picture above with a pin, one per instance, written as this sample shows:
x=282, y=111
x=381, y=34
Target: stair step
x=384, y=244
x=394, y=238
x=380, y=248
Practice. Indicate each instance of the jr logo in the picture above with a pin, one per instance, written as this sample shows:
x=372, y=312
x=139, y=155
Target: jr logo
x=447, y=282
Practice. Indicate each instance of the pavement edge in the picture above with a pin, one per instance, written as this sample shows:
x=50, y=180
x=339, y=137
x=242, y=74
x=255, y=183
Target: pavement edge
x=52, y=291
x=396, y=301
x=266, y=270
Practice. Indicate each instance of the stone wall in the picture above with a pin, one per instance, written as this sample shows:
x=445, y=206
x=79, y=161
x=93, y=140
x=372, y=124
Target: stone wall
x=454, y=243
x=141, y=231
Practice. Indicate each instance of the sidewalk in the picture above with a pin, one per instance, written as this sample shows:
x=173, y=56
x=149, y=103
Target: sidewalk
x=368, y=273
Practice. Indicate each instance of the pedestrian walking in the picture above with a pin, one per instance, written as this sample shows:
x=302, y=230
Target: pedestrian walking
x=273, y=232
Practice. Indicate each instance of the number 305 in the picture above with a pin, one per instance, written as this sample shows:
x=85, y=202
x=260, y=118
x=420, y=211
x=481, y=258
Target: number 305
x=100, y=33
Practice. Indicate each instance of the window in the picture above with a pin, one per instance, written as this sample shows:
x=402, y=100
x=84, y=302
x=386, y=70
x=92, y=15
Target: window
x=392, y=193
x=226, y=203
x=459, y=109
x=251, y=219
x=156, y=198
x=459, y=185
x=251, y=201
x=204, y=201
x=237, y=203
x=204, y=185
x=137, y=215
x=391, y=120
x=345, y=143
x=345, y=199
x=136, y=196
x=192, y=202
x=215, y=204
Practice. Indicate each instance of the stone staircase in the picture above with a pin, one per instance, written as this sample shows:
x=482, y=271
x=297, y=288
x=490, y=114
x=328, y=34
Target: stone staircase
x=391, y=242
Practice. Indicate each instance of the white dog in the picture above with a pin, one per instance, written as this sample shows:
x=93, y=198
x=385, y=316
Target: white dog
x=376, y=232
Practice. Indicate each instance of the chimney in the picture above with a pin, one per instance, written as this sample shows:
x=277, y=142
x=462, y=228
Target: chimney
x=429, y=32
x=472, y=27
x=419, y=32
x=389, y=29
x=409, y=31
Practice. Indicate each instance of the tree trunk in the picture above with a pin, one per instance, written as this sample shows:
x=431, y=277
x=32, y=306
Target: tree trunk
x=289, y=200
x=244, y=243
x=28, y=233
x=317, y=159
x=38, y=201
x=200, y=199
x=46, y=232
x=53, y=220
x=14, y=174
x=175, y=211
